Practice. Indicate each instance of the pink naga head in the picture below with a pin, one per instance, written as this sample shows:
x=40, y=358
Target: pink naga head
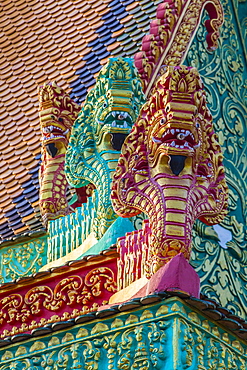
x=171, y=166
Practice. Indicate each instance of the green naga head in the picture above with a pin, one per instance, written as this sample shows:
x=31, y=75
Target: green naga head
x=110, y=110
x=118, y=98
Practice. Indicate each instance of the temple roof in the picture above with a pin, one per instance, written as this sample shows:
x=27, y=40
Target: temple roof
x=67, y=41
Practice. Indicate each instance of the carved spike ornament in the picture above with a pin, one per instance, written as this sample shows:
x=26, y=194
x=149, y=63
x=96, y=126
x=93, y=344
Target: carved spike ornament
x=171, y=166
x=57, y=114
x=110, y=110
x=171, y=34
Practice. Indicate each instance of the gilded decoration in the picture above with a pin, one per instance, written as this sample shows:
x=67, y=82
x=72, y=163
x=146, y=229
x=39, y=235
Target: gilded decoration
x=57, y=113
x=171, y=33
x=69, y=232
x=165, y=335
x=22, y=260
x=222, y=266
x=25, y=310
x=106, y=118
x=171, y=166
x=133, y=255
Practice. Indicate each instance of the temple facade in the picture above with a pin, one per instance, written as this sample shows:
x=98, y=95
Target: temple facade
x=123, y=185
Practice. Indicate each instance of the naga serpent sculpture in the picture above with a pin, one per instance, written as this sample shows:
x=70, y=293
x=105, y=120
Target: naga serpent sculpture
x=57, y=115
x=110, y=110
x=171, y=166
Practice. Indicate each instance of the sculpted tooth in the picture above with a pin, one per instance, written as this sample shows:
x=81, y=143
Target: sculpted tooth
x=114, y=114
x=125, y=124
x=173, y=143
x=172, y=131
x=157, y=141
x=182, y=130
x=197, y=145
x=125, y=114
x=65, y=132
x=52, y=136
x=113, y=123
x=187, y=133
x=177, y=146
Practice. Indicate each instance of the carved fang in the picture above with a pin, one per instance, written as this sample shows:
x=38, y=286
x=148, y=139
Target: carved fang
x=156, y=141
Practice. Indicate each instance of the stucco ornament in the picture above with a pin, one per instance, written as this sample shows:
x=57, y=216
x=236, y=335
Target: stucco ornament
x=109, y=112
x=57, y=113
x=171, y=34
x=171, y=166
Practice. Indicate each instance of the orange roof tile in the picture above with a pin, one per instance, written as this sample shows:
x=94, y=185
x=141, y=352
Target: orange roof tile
x=42, y=40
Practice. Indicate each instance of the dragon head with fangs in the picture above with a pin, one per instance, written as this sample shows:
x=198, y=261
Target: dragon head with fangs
x=117, y=99
x=176, y=125
x=106, y=118
x=171, y=166
x=57, y=113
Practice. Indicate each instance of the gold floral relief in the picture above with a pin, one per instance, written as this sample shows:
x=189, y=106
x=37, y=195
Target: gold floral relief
x=22, y=260
x=219, y=254
x=155, y=339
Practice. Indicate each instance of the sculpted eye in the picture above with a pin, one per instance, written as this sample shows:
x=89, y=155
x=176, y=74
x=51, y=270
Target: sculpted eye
x=197, y=124
x=167, y=108
x=104, y=105
x=162, y=121
x=52, y=117
x=135, y=107
x=60, y=119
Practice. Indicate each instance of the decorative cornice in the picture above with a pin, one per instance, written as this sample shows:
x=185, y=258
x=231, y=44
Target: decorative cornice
x=147, y=333
x=60, y=294
x=171, y=34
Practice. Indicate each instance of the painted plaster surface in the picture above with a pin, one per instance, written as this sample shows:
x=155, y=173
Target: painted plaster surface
x=224, y=73
x=110, y=110
x=23, y=259
x=69, y=292
x=171, y=166
x=166, y=335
